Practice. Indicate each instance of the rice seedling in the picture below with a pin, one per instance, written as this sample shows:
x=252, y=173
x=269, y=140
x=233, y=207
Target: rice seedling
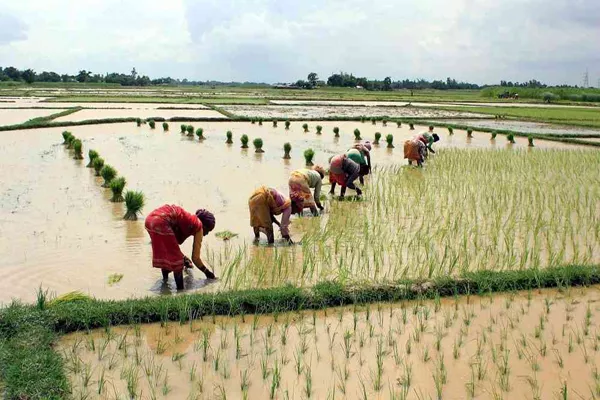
x=260, y=121
x=305, y=127
x=183, y=128
x=494, y=134
x=309, y=154
x=152, y=124
x=244, y=139
x=92, y=154
x=190, y=130
x=134, y=202
x=67, y=137
x=138, y=121
x=411, y=126
x=229, y=136
x=377, y=137
x=319, y=129
x=390, y=141
x=165, y=126
x=308, y=383
x=287, y=124
x=108, y=173
x=336, y=132
x=77, y=149
x=511, y=138
x=450, y=131
x=200, y=134
x=70, y=141
x=357, y=135
x=530, y=141
x=384, y=121
x=274, y=123
x=258, y=144
x=116, y=186
x=287, y=148
x=470, y=133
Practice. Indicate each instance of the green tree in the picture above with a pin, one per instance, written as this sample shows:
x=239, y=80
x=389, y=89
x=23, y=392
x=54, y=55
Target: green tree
x=28, y=76
x=83, y=76
x=312, y=79
x=387, y=83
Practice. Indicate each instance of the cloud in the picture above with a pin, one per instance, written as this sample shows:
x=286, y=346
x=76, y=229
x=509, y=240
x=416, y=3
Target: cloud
x=283, y=40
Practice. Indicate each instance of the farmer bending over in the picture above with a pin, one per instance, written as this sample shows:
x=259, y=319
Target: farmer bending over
x=264, y=204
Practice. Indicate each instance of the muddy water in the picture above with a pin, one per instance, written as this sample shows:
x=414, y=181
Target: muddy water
x=59, y=230
x=138, y=113
x=527, y=127
x=13, y=117
x=36, y=102
x=520, y=345
x=425, y=104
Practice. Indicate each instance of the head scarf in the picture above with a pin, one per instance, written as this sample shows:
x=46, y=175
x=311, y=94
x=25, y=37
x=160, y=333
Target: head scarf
x=207, y=218
x=435, y=137
x=367, y=144
x=320, y=170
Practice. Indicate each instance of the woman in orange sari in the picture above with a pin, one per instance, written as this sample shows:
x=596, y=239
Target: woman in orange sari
x=264, y=204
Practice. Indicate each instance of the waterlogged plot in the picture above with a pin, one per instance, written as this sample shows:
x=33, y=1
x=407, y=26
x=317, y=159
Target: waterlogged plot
x=527, y=127
x=465, y=211
x=534, y=345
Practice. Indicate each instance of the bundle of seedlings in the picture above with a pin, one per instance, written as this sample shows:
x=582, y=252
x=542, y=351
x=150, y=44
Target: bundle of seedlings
x=260, y=121
x=319, y=129
x=116, y=186
x=108, y=173
x=411, y=126
x=98, y=164
x=390, y=141
x=190, y=130
x=200, y=134
x=287, y=147
x=78, y=149
x=66, y=137
x=377, y=137
x=258, y=144
x=450, y=131
x=309, y=154
x=530, y=140
x=357, y=134
x=134, y=202
x=511, y=138
x=244, y=140
x=336, y=132
x=92, y=154
x=494, y=134
x=305, y=127
x=152, y=124
x=274, y=123
x=138, y=121
x=183, y=128
x=470, y=133
x=399, y=124
x=229, y=136
x=165, y=126
x=287, y=124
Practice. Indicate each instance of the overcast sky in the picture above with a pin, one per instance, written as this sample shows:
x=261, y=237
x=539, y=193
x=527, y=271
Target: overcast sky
x=479, y=41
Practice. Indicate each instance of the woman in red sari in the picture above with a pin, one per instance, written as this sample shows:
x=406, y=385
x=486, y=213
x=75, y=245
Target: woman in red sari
x=168, y=227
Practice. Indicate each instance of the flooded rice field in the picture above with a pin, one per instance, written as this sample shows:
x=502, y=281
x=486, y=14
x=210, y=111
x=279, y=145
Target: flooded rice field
x=59, y=230
x=316, y=112
x=526, y=126
x=139, y=113
x=425, y=104
x=37, y=102
x=18, y=116
x=523, y=345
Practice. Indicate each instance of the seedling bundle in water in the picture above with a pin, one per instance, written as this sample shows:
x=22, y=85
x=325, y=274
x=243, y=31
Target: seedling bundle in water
x=108, y=173
x=309, y=154
x=226, y=235
x=114, y=278
x=200, y=134
x=98, y=163
x=450, y=130
x=319, y=129
x=336, y=131
x=165, y=126
x=398, y=124
x=92, y=154
x=287, y=124
x=229, y=136
x=116, y=186
x=494, y=134
x=377, y=137
x=78, y=149
x=286, y=151
x=411, y=126
x=357, y=134
x=274, y=123
x=66, y=137
x=305, y=127
x=530, y=140
x=190, y=130
x=258, y=144
x=469, y=133
x=134, y=202
x=138, y=121
x=511, y=137
x=390, y=141
x=244, y=139
x=183, y=128
x=152, y=124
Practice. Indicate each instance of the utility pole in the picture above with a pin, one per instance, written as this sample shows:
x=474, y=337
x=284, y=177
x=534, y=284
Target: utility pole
x=586, y=79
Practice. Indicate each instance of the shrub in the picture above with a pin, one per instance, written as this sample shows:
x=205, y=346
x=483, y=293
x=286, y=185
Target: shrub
x=78, y=148
x=411, y=126
x=450, y=130
x=399, y=124
x=530, y=140
x=377, y=137
x=357, y=134
x=305, y=127
x=138, y=121
x=108, y=173
x=336, y=131
x=510, y=137
x=116, y=186
x=390, y=141
x=309, y=154
x=183, y=128
x=319, y=129
x=229, y=137
x=244, y=140
x=190, y=130
x=274, y=123
x=165, y=126
x=494, y=134
x=98, y=164
x=258, y=144
x=549, y=97
x=134, y=202
x=152, y=124
x=469, y=133
x=66, y=137
x=200, y=134
x=286, y=151
x=92, y=154
x=287, y=124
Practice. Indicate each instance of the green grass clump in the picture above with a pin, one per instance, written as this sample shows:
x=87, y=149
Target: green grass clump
x=357, y=134
x=377, y=137
x=287, y=147
x=98, y=164
x=66, y=137
x=530, y=141
x=390, y=141
x=305, y=127
x=108, y=173
x=114, y=278
x=510, y=137
x=138, y=121
x=78, y=149
x=287, y=124
x=258, y=144
x=165, y=126
x=229, y=136
x=225, y=235
x=183, y=128
x=244, y=139
x=152, y=124
x=92, y=154
x=469, y=133
x=336, y=132
x=116, y=186
x=200, y=134
x=319, y=129
x=190, y=130
x=134, y=202
x=309, y=154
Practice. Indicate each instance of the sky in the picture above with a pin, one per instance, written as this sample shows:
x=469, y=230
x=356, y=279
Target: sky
x=481, y=41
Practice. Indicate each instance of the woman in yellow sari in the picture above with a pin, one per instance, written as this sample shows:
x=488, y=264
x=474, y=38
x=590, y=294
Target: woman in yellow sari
x=264, y=204
x=301, y=182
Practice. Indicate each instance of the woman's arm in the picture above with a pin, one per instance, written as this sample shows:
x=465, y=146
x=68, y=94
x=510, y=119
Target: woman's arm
x=196, y=259
x=317, y=194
